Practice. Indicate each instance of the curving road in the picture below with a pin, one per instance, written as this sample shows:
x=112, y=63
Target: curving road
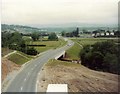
x=25, y=81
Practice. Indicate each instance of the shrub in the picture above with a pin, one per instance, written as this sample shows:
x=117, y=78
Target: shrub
x=35, y=36
x=52, y=37
x=31, y=51
x=101, y=56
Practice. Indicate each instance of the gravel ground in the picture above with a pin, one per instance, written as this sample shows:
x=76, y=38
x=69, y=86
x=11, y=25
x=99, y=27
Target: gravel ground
x=78, y=78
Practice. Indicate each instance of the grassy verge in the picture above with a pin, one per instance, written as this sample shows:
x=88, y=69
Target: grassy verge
x=74, y=51
x=61, y=43
x=88, y=41
x=54, y=62
x=19, y=58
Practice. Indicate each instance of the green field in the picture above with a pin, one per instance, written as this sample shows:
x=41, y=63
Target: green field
x=44, y=41
x=88, y=41
x=73, y=52
x=49, y=44
x=19, y=58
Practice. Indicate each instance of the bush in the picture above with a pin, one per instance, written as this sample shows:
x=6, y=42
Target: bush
x=101, y=56
x=111, y=62
x=35, y=36
x=52, y=37
x=31, y=51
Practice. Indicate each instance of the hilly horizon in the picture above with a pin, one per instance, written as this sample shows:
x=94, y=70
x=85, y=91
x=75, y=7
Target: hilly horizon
x=55, y=28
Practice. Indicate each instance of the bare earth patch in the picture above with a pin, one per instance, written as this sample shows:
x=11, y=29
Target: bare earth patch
x=78, y=78
x=9, y=69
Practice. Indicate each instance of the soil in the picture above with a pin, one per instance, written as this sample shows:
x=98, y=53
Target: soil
x=79, y=79
x=7, y=67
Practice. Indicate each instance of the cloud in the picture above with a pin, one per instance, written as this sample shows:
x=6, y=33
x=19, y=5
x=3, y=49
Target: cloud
x=59, y=11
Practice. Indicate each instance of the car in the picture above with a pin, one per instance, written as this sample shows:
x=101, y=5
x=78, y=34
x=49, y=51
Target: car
x=69, y=44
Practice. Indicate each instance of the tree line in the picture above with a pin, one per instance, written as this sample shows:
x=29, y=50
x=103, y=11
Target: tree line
x=103, y=56
x=52, y=36
x=74, y=33
x=15, y=41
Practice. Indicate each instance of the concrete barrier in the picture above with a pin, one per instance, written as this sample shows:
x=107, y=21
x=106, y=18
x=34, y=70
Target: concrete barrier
x=60, y=54
x=57, y=89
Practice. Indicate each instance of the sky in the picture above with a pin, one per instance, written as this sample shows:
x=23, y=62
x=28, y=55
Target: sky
x=46, y=12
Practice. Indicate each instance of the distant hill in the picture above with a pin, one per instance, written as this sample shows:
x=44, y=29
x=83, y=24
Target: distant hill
x=19, y=28
x=53, y=28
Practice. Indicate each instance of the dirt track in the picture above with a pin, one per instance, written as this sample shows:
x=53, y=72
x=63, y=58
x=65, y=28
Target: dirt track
x=78, y=78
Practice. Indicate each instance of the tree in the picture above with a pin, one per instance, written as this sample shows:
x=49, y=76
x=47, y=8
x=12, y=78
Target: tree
x=101, y=56
x=35, y=36
x=12, y=40
x=111, y=60
x=52, y=37
x=77, y=32
x=15, y=41
x=6, y=36
x=31, y=51
x=117, y=33
x=63, y=33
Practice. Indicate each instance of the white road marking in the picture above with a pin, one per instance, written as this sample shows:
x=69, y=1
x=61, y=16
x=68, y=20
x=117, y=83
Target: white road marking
x=28, y=73
x=36, y=87
x=37, y=82
x=25, y=79
x=21, y=88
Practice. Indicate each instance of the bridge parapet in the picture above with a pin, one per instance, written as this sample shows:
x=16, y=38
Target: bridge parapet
x=60, y=54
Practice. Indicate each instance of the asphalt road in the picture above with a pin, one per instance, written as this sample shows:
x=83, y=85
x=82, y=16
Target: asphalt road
x=26, y=79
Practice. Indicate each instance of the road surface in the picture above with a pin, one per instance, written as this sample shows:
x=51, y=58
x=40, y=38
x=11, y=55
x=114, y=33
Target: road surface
x=25, y=81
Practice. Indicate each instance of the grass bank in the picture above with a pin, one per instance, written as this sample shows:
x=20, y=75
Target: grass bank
x=54, y=62
x=19, y=58
x=73, y=52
